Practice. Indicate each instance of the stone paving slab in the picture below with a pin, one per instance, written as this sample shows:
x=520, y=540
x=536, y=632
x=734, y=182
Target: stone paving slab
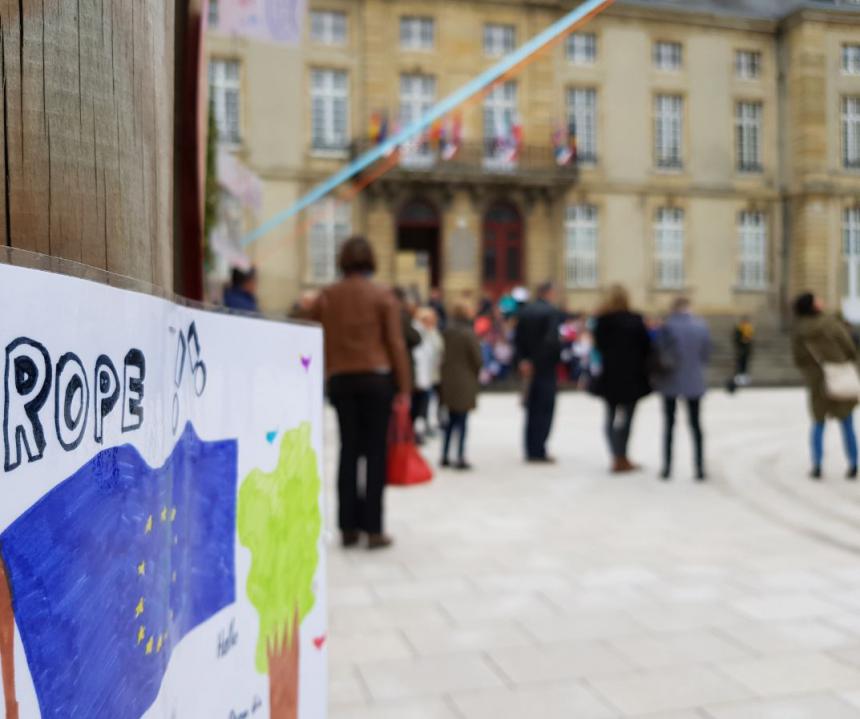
x=518, y=591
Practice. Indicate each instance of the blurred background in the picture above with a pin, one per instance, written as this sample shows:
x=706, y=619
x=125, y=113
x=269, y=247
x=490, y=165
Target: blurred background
x=704, y=146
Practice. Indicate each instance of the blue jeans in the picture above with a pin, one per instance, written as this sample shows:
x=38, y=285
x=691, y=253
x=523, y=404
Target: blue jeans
x=849, y=439
x=457, y=422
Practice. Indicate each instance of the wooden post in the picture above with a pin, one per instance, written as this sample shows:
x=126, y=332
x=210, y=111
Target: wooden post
x=87, y=127
x=7, y=646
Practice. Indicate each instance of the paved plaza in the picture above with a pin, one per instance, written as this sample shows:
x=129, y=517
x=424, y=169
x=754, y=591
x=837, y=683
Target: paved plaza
x=541, y=592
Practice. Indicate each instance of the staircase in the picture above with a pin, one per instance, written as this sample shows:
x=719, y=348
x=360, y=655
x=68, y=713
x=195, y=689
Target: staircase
x=772, y=364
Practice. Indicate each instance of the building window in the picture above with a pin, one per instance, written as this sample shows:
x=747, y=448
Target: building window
x=668, y=131
x=329, y=109
x=500, y=115
x=328, y=27
x=851, y=132
x=851, y=59
x=752, y=232
x=417, y=96
x=499, y=40
x=668, y=56
x=580, y=229
x=330, y=226
x=212, y=17
x=417, y=33
x=748, y=136
x=581, y=48
x=582, y=115
x=851, y=251
x=224, y=91
x=852, y=232
x=669, y=248
x=748, y=64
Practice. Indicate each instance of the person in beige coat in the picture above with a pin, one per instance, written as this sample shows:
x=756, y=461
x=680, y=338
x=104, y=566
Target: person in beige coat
x=818, y=338
x=461, y=367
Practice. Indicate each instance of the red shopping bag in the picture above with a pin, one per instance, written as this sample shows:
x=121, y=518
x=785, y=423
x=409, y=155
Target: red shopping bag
x=406, y=466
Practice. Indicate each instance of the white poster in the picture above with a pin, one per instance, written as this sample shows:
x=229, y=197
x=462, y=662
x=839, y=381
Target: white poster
x=275, y=21
x=161, y=545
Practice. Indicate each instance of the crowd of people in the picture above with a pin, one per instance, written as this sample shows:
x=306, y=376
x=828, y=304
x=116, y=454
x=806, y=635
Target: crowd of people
x=384, y=350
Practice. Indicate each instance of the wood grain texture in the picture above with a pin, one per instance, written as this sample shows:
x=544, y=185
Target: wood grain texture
x=87, y=127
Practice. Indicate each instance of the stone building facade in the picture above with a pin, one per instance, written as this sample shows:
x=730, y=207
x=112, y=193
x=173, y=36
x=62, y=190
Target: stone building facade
x=718, y=150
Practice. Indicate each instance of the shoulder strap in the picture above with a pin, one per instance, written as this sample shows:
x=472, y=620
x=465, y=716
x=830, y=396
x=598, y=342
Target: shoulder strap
x=815, y=357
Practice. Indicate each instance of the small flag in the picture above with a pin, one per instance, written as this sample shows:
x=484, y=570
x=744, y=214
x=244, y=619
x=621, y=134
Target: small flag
x=453, y=138
x=436, y=132
x=517, y=136
x=563, y=154
x=378, y=127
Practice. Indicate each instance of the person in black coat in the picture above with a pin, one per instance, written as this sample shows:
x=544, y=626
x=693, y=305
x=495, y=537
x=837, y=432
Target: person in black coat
x=622, y=340
x=538, y=351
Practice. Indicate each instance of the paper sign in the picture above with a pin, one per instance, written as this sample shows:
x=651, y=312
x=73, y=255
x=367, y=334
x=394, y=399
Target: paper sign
x=161, y=549
x=275, y=21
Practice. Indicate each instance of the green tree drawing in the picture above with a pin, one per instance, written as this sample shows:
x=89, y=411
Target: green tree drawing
x=279, y=521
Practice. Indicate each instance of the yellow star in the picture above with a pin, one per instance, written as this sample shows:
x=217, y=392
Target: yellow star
x=173, y=514
x=141, y=635
x=164, y=514
x=148, y=525
x=160, y=643
x=138, y=610
x=149, y=646
x=141, y=569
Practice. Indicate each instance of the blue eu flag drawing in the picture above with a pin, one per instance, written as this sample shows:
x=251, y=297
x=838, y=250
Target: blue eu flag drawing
x=114, y=566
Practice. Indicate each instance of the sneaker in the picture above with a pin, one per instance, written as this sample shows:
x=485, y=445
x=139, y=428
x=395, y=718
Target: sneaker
x=701, y=476
x=666, y=475
x=445, y=463
x=463, y=466
x=852, y=473
x=815, y=473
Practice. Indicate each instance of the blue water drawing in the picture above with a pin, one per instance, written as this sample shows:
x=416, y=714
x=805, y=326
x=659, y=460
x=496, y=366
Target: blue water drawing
x=114, y=566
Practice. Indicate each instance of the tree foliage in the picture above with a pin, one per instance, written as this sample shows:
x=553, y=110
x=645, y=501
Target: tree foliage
x=279, y=520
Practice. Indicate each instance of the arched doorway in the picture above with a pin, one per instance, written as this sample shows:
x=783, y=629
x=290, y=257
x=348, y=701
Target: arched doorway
x=419, y=246
x=502, y=249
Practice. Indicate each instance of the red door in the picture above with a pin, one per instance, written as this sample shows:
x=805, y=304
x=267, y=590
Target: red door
x=502, y=250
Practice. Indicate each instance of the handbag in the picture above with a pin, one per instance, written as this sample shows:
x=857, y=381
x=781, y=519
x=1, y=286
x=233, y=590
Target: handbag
x=406, y=466
x=841, y=379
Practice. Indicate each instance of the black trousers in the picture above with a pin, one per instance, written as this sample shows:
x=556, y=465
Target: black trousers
x=619, y=422
x=363, y=403
x=540, y=408
x=670, y=407
x=742, y=361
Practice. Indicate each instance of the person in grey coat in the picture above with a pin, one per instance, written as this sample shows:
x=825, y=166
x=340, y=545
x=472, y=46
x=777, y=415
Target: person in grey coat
x=683, y=349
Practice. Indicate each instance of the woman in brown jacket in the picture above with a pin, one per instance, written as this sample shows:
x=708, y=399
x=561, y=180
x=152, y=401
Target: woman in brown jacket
x=818, y=338
x=367, y=367
x=461, y=366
